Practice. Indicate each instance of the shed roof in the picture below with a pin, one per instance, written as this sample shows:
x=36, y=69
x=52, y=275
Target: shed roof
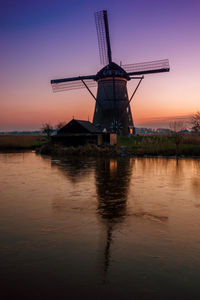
x=88, y=125
x=79, y=126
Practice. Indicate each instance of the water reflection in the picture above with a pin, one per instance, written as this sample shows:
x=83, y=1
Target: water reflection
x=75, y=169
x=112, y=183
x=112, y=178
x=68, y=224
x=131, y=189
x=128, y=189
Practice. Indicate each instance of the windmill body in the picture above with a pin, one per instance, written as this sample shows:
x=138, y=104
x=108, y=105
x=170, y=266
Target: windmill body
x=112, y=111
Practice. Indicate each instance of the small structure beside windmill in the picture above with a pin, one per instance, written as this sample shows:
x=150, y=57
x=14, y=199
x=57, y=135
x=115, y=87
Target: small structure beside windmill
x=79, y=132
x=112, y=111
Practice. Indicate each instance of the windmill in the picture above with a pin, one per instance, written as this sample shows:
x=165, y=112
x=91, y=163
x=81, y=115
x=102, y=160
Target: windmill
x=112, y=109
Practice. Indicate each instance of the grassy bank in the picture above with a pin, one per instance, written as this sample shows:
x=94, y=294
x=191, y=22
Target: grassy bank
x=135, y=145
x=12, y=142
x=187, y=145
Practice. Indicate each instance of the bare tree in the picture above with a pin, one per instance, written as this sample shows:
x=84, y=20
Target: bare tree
x=195, y=121
x=47, y=129
x=177, y=128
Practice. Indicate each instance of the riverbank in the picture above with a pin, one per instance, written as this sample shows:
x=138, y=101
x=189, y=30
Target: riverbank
x=86, y=150
x=188, y=146
x=155, y=145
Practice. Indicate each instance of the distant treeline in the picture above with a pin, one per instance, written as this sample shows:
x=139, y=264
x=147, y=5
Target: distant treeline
x=21, y=132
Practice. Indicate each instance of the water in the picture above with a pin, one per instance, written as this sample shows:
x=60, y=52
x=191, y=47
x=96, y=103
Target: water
x=99, y=229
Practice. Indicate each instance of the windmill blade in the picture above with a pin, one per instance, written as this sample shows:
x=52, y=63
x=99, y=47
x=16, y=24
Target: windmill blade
x=101, y=21
x=61, y=80
x=156, y=66
x=72, y=85
x=65, y=84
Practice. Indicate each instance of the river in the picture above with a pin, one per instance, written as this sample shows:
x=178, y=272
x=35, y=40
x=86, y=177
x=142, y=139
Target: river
x=126, y=228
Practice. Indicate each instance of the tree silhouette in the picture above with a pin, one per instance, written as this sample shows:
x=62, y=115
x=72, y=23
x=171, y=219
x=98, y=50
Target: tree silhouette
x=196, y=122
x=47, y=129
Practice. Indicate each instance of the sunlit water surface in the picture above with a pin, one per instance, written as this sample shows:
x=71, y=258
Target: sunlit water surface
x=99, y=229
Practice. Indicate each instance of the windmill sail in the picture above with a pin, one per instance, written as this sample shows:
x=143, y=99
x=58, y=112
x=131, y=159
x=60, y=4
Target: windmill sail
x=101, y=21
x=72, y=83
x=156, y=66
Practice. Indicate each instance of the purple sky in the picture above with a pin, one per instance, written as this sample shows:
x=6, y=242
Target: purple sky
x=43, y=40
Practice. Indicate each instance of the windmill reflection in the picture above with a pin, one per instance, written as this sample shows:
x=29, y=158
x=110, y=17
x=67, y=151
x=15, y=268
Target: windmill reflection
x=112, y=178
x=112, y=183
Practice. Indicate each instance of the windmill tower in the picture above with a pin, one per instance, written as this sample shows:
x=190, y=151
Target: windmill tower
x=112, y=109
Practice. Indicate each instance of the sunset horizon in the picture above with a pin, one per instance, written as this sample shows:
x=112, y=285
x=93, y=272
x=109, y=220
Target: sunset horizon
x=153, y=123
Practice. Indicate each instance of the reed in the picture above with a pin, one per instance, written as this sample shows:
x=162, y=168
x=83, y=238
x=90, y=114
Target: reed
x=189, y=145
x=21, y=141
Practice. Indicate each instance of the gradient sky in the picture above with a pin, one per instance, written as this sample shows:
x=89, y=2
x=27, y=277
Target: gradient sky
x=43, y=40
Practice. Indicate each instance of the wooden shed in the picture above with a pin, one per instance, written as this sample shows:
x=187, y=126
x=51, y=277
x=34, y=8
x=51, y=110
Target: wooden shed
x=79, y=132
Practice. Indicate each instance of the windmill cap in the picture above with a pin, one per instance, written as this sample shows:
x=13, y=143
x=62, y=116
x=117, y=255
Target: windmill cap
x=112, y=70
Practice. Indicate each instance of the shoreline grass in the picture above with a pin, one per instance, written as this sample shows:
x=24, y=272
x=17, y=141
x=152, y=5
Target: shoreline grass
x=132, y=146
x=155, y=145
x=20, y=142
x=187, y=145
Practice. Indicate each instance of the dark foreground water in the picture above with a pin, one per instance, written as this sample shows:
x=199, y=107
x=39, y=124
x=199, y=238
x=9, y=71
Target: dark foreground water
x=99, y=229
